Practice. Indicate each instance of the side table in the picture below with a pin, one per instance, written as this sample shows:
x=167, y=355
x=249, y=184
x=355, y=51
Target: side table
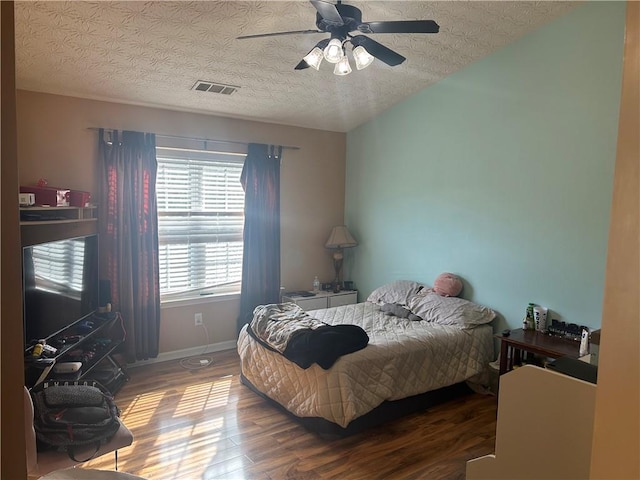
x=535, y=342
x=323, y=299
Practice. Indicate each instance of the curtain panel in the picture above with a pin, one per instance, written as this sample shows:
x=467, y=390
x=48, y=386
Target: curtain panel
x=128, y=227
x=261, y=255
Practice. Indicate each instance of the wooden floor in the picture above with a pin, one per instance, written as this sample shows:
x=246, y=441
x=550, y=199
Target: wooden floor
x=204, y=424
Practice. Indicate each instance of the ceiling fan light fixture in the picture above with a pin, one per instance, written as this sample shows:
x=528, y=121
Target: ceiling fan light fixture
x=333, y=51
x=342, y=67
x=362, y=57
x=339, y=20
x=314, y=58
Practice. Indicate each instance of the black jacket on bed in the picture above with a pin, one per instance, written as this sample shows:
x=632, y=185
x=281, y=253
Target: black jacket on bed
x=322, y=345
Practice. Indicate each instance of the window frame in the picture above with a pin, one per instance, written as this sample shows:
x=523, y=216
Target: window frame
x=196, y=231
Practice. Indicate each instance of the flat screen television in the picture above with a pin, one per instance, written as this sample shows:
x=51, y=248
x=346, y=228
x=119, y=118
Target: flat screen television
x=60, y=284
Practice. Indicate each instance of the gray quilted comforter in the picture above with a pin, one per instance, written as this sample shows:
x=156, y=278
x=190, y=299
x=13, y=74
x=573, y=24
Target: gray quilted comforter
x=403, y=358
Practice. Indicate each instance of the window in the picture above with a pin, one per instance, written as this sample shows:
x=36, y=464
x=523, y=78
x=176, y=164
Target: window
x=200, y=221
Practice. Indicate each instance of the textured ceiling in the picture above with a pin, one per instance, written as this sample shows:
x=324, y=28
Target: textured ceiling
x=152, y=53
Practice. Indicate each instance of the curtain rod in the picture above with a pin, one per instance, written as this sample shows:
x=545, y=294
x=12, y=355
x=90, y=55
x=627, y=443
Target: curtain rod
x=285, y=147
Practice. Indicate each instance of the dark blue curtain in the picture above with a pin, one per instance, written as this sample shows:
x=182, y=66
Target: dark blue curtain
x=128, y=226
x=261, y=258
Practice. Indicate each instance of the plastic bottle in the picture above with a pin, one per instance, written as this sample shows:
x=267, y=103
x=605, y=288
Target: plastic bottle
x=316, y=284
x=38, y=348
x=529, y=323
x=584, y=342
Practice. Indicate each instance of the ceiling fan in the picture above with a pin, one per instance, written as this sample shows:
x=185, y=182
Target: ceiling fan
x=339, y=21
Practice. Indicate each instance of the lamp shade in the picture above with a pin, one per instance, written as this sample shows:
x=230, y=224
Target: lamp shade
x=340, y=238
x=362, y=57
x=342, y=67
x=314, y=58
x=333, y=51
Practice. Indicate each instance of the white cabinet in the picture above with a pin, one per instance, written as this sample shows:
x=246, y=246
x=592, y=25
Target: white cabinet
x=337, y=299
x=323, y=300
x=308, y=303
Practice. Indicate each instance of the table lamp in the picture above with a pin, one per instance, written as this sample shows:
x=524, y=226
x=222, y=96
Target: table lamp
x=339, y=239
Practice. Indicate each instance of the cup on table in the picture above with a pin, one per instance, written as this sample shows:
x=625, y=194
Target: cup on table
x=540, y=318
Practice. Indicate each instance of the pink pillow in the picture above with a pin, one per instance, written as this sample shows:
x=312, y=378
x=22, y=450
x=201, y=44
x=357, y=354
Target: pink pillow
x=448, y=285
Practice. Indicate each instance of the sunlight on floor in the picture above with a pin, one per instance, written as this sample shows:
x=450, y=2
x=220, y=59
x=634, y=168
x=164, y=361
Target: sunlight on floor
x=204, y=396
x=185, y=447
x=141, y=410
x=189, y=422
x=178, y=439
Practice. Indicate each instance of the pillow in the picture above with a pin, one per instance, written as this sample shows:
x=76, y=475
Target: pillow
x=398, y=292
x=447, y=285
x=449, y=310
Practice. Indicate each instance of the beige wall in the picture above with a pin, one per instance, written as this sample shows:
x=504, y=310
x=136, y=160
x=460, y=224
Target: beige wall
x=54, y=143
x=177, y=331
x=616, y=440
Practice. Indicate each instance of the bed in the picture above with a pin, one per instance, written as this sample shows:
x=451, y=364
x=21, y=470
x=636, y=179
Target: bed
x=403, y=361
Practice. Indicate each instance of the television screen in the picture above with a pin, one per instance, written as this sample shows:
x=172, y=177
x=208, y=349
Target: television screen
x=60, y=284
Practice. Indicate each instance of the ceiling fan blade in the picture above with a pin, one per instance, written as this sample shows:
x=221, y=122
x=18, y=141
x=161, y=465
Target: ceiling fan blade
x=402, y=26
x=378, y=50
x=328, y=11
x=321, y=44
x=275, y=34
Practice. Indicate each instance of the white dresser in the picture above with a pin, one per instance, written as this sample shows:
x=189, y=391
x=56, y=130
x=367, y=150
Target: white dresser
x=323, y=299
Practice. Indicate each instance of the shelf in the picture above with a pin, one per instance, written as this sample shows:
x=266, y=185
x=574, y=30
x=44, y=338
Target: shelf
x=58, y=222
x=47, y=215
x=93, y=363
x=112, y=378
x=33, y=232
x=107, y=327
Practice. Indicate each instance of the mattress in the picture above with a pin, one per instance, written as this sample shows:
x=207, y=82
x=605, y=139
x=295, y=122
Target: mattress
x=403, y=358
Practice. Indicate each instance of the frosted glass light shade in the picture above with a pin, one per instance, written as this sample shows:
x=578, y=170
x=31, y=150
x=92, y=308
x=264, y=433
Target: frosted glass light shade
x=314, y=58
x=333, y=51
x=342, y=67
x=362, y=57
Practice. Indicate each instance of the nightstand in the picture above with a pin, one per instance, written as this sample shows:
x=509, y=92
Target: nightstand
x=323, y=299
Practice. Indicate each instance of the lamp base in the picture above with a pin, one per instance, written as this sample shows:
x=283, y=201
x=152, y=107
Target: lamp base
x=337, y=266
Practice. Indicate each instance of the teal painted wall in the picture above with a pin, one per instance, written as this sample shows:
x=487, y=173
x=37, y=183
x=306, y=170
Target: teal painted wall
x=501, y=173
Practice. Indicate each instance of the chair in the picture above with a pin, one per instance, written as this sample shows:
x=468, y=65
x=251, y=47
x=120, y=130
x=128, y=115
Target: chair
x=41, y=463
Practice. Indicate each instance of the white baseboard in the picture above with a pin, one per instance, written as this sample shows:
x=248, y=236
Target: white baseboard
x=186, y=352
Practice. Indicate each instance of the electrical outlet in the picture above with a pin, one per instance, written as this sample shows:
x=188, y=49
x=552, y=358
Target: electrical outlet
x=198, y=319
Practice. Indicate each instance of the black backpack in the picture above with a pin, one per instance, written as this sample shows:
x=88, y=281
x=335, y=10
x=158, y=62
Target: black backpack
x=69, y=416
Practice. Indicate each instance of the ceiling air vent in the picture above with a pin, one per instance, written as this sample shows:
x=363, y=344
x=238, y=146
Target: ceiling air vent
x=212, y=87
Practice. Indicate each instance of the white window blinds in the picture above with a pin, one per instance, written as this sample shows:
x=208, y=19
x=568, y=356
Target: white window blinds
x=200, y=221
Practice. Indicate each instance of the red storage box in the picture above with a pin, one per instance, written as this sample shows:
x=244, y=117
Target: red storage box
x=54, y=197
x=78, y=198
